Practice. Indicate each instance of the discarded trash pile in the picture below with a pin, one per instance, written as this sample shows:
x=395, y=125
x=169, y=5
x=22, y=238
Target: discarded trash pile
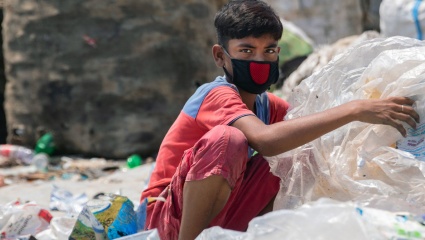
x=106, y=215
x=13, y=171
x=19, y=163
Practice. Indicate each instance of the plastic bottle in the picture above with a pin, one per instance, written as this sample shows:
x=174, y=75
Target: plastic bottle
x=20, y=153
x=134, y=161
x=45, y=144
x=41, y=161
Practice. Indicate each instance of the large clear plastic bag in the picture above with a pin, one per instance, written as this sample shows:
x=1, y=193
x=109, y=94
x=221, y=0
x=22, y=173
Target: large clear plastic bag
x=326, y=219
x=358, y=161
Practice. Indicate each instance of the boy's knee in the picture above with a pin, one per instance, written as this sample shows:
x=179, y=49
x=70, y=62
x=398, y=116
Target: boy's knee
x=235, y=136
x=226, y=153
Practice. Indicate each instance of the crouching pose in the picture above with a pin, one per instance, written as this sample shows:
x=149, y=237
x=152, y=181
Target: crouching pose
x=210, y=168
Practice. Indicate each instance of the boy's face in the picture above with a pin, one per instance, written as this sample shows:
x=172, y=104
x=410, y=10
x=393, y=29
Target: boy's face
x=264, y=48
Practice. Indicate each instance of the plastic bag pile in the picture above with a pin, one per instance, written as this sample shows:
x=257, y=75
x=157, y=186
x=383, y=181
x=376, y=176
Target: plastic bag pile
x=369, y=164
x=326, y=219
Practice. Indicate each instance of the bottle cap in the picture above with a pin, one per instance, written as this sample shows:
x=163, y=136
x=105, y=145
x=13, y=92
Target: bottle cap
x=134, y=161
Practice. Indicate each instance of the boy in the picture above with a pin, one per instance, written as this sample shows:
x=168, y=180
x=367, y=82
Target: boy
x=206, y=170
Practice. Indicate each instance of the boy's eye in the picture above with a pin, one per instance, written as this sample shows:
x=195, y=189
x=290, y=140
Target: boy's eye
x=246, y=50
x=271, y=50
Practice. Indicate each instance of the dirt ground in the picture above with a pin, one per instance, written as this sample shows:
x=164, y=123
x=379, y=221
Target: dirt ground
x=90, y=177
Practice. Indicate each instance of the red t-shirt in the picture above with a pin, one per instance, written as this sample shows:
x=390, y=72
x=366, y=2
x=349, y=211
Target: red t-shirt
x=215, y=103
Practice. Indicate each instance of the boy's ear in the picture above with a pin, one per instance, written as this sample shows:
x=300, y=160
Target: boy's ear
x=218, y=55
x=278, y=50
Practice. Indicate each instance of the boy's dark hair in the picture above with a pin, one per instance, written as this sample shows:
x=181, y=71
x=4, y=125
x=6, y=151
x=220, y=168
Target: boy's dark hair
x=243, y=18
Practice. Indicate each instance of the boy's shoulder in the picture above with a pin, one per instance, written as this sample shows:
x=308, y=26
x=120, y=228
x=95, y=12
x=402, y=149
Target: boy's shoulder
x=195, y=101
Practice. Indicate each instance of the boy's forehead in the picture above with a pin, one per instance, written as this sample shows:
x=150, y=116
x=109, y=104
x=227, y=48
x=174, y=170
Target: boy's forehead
x=262, y=41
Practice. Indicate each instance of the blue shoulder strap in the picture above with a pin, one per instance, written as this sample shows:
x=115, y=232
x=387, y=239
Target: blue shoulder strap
x=262, y=112
x=262, y=107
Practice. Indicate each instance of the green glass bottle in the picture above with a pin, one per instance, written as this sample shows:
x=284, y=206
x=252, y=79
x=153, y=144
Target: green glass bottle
x=45, y=144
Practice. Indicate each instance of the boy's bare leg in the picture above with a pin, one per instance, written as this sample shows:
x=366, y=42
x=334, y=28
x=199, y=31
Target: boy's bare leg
x=202, y=201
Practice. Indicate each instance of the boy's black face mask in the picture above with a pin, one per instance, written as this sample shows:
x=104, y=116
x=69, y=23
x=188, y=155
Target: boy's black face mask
x=253, y=76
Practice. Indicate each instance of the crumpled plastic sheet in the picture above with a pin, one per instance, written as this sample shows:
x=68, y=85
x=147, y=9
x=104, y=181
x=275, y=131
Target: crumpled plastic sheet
x=146, y=235
x=359, y=161
x=60, y=228
x=63, y=200
x=22, y=220
x=326, y=219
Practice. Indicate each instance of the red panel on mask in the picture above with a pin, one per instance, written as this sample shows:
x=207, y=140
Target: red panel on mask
x=259, y=72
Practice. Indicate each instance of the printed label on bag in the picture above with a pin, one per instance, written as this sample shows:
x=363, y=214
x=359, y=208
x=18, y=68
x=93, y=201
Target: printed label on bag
x=414, y=143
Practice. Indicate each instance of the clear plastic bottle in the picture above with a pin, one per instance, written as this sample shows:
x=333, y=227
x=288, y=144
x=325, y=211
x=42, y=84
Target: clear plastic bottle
x=20, y=153
x=41, y=161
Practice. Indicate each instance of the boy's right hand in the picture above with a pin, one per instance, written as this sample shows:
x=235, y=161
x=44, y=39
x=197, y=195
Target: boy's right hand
x=390, y=111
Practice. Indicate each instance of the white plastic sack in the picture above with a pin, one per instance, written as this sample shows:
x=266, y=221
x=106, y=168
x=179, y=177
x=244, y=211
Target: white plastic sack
x=402, y=18
x=326, y=219
x=358, y=161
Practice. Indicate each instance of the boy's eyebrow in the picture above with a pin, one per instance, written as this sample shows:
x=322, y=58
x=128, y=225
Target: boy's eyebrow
x=247, y=45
